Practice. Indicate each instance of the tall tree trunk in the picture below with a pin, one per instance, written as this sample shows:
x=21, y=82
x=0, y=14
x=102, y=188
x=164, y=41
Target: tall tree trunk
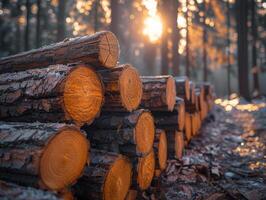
x=27, y=28
x=169, y=52
x=228, y=51
x=61, y=16
x=187, y=42
x=38, y=25
x=96, y=23
x=114, y=27
x=205, y=69
x=242, y=43
x=18, y=30
x=254, y=49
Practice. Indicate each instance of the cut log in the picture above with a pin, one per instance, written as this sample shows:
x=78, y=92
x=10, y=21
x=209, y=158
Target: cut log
x=160, y=148
x=174, y=120
x=11, y=191
x=175, y=144
x=188, y=128
x=107, y=177
x=159, y=93
x=193, y=124
x=123, y=88
x=42, y=155
x=58, y=93
x=99, y=50
x=182, y=87
x=143, y=173
x=133, y=133
x=192, y=92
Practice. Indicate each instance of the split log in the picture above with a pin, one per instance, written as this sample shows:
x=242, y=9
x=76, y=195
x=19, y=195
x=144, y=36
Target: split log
x=99, y=50
x=182, y=87
x=175, y=144
x=188, y=128
x=58, y=93
x=108, y=177
x=159, y=93
x=12, y=191
x=131, y=134
x=160, y=149
x=174, y=120
x=49, y=156
x=123, y=88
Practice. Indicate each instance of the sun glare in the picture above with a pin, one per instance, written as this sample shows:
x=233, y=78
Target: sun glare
x=153, y=28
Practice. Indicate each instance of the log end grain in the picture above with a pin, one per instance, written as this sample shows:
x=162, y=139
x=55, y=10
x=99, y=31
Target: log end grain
x=130, y=87
x=145, y=170
x=63, y=159
x=83, y=95
x=181, y=114
x=144, y=133
x=162, y=150
x=187, y=127
x=170, y=93
x=118, y=179
x=179, y=144
x=109, y=49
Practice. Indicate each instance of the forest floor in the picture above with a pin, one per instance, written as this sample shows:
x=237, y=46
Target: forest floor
x=226, y=160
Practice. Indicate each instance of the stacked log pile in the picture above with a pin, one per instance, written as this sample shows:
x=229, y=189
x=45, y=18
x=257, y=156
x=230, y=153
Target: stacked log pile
x=75, y=124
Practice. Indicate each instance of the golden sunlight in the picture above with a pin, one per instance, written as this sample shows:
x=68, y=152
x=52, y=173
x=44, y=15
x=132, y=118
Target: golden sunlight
x=153, y=28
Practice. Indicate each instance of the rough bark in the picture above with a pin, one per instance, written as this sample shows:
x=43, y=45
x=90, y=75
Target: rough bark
x=182, y=87
x=159, y=93
x=131, y=134
x=123, y=88
x=171, y=120
x=13, y=191
x=108, y=176
x=99, y=50
x=23, y=153
x=45, y=95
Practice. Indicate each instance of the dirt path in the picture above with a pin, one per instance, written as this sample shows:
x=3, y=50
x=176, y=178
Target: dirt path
x=227, y=160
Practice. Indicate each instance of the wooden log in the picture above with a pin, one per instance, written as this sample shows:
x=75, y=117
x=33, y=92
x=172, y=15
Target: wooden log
x=182, y=87
x=58, y=93
x=192, y=92
x=99, y=50
x=143, y=171
x=132, y=195
x=49, y=156
x=108, y=177
x=160, y=149
x=159, y=93
x=188, y=128
x=193, y=124
x=175, y=144
x=131, y=134
x=174, y=120
x=123, y=88
x=13, y=191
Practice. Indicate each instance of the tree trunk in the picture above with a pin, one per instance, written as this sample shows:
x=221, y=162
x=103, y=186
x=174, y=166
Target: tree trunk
x=34, y=154
x=27, y=27
x=159, y=93
x=107, y=177
x=254, y=49
x=123, y=88
x=38, y=24
x=131, y=133
x=13, y=191
x=175, y=144
x=204, y=41
x=58, y=93
x=18, y=30
x=160, y=149
x=187, y=41
x=115, y=17
x=182, y=87
x=61, y=20
x=99, y=50
x=229, y=49
x=242, y=44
